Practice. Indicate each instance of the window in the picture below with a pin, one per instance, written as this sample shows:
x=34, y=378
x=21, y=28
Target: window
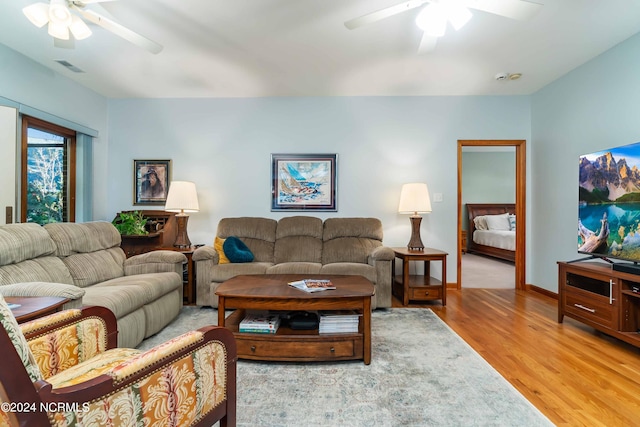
x=48, y=172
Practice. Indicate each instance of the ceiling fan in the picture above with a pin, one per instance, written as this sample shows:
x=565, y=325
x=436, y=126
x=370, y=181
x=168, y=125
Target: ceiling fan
x=58, y=14
x=433, y=18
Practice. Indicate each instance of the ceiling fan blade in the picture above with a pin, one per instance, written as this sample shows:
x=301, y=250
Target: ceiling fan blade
x=64, y=44
x=370, y=18
x=514, y=9
x=427, y=44
x=120, y=30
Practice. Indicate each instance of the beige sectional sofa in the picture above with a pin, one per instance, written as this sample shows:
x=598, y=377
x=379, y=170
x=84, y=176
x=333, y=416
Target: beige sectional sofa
x=84, y=262
x=299, y=245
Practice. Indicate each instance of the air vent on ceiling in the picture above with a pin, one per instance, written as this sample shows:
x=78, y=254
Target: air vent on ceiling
x=69, y=65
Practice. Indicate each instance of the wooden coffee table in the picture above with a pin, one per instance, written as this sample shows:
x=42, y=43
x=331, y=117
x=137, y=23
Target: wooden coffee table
x=34, y=307
x=271, y=292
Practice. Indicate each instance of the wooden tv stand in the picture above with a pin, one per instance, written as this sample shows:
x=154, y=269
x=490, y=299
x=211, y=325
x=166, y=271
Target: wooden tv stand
x=595, y=294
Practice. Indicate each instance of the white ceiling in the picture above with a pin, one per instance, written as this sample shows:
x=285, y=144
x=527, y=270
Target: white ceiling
x=255, y=48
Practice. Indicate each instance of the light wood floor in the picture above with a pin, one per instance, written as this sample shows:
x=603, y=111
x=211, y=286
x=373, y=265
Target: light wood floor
x=573, y=374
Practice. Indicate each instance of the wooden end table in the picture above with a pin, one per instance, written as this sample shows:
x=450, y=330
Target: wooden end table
x=412, y=287
x=35, y=307
x=189, y=282
x=272, y=292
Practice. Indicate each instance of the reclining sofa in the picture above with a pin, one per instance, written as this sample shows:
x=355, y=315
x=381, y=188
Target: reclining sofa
x=84, y=263
x=299, y=245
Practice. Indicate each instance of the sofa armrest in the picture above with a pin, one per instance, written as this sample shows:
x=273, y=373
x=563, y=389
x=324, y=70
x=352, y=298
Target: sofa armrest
x=45, y=289
x=154, y=262
x=205, y=258
x=206, y=253
x=382, y=253
x=91, y=330
x=200, y=367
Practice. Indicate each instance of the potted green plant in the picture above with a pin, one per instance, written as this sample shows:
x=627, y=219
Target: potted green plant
x=131, y=223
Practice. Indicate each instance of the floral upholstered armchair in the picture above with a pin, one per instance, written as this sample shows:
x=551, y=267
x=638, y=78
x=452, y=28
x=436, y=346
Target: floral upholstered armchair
x=64, y=370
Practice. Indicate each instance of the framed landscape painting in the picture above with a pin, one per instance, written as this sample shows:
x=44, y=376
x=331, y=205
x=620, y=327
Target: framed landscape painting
x=151, y=179
x=301, y=182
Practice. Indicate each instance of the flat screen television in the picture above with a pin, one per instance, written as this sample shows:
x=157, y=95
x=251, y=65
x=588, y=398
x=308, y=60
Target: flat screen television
x=609, y=203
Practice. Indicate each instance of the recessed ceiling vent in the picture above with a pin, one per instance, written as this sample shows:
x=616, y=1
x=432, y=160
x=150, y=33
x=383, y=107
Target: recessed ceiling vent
x=69, y=66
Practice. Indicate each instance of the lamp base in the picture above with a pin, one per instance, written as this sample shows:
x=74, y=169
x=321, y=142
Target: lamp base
x=415, y=243
x=182, y=238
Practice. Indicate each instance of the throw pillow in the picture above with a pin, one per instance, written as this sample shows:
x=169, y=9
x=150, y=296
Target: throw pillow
x=512, y=222
x=480, y=222
x=498, y=222
x=236, y=250
x=217, y=245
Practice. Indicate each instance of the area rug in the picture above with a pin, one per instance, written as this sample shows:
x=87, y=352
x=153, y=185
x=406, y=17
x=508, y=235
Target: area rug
x=421, y=374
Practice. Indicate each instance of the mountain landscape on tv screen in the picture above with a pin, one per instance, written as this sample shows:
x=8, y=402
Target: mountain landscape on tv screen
x=606, y=180
x=609, y=208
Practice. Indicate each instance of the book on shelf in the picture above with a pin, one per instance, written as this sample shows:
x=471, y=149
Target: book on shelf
x=260, y=323
x=312, y=285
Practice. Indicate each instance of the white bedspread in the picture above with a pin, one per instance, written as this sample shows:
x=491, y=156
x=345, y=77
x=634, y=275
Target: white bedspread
x=496, y=238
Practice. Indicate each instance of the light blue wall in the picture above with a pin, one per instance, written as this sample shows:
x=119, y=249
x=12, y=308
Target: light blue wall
x=595, y=107
x=29, y=83
x=224, y=146
x=487, y=177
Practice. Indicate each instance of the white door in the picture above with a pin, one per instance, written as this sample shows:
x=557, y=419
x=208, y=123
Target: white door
x=8, y=143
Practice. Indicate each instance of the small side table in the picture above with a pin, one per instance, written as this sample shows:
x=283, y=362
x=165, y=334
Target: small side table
x=189, y=278
x=35, y=307
x=409, y=287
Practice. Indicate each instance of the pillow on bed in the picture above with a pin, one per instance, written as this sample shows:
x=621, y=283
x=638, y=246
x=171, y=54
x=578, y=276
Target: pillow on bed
x=480, y=222
x=498, y=222
x=512, y=222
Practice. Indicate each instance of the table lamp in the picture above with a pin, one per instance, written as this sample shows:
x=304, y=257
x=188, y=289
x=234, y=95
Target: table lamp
x=414, y=199
x=182, y=198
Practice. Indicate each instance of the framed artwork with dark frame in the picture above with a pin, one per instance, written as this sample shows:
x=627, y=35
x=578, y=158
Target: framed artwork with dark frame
x=301, y=182
x=151, y=179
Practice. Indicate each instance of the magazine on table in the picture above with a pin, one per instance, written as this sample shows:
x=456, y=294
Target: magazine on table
x=313, y=285
x=13, y=306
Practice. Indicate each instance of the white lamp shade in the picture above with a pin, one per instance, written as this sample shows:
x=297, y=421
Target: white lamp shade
x=182, y=197
x=414, y=198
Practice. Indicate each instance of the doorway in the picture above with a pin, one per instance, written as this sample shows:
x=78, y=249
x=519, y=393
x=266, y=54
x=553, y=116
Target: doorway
x=520, y=204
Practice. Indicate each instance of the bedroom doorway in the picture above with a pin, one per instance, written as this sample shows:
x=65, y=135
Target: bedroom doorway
x=519, y=147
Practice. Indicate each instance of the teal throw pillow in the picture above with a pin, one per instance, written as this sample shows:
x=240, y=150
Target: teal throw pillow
x=236, y=250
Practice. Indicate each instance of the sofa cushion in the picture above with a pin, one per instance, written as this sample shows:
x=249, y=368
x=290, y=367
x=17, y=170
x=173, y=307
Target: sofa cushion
x=220, y=273
x=217, y=245
x=298, y=267
x=43, y=269
x=128, y=293
x=298, y=238
x=350, y=268
x=19, y=242
x=71, y=238
x=259, y=234
x=90, y=268
x=350, y=239
x=236, y=250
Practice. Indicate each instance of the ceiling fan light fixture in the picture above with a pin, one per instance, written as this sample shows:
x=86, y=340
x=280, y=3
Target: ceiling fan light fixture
x=432, y=20
x=37, y=13
x=79, y=29
x=458, y=15
x=59, y=31
x=59, y=12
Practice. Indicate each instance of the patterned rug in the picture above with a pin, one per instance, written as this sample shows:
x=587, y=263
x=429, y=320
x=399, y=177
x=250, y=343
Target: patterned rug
x=421, y=374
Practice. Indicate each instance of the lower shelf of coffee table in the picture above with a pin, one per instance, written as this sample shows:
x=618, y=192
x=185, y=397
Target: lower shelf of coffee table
x=288, y=345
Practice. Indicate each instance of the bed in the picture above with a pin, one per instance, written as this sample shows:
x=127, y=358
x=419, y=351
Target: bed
x=496, y=239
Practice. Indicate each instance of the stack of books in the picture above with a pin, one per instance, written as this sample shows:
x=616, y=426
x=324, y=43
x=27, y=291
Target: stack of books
x=336, y=322
x=260, y=323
